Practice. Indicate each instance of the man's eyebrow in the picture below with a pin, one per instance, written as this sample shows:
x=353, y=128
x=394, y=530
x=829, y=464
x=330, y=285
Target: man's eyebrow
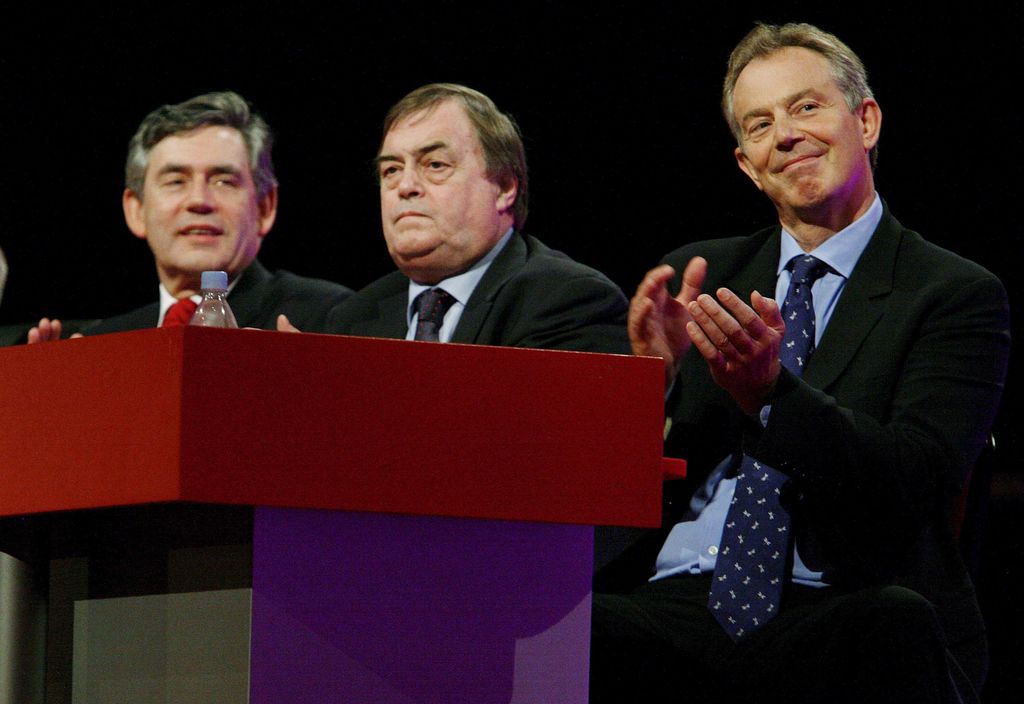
x=801, y=94
x=425, y=149
x=172, y=168
x=788, y=100
x=224, y=169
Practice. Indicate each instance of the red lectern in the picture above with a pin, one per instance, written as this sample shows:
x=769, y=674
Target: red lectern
x=423, y=510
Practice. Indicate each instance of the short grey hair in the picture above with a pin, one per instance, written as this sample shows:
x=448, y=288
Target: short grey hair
x=225, y=108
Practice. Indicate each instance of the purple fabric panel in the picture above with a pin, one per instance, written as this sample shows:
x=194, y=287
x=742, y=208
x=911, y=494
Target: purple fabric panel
x=390, y=608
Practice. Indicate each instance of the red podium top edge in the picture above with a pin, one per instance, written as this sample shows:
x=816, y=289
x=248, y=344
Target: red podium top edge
x=331, y=422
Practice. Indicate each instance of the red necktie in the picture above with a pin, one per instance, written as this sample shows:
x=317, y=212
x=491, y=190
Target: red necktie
x=179, y=314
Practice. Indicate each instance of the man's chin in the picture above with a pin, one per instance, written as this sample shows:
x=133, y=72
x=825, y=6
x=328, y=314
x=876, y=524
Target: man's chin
x=413, y=246
x=418, y=261
x=421, y=270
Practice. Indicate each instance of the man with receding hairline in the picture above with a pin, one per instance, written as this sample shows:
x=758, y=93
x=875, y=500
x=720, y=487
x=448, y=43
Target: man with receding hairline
x=453, y=198
x=831, y=381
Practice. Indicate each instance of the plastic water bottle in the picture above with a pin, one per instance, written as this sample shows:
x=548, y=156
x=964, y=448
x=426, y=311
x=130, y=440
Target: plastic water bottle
x=213, y=311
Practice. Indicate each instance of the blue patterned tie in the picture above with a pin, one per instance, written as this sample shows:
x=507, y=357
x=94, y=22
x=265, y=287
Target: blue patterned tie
x=752, y=557
x=431, y=305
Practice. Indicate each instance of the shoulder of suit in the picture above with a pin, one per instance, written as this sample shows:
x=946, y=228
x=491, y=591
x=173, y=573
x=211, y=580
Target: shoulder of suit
x=713, y=249
x=917, y=257
x=292, y=286
x=364, y=302
x=138, y=319
x=387, y=285
x=542, y=259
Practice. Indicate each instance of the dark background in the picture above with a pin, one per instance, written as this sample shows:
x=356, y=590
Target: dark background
x=629, y=156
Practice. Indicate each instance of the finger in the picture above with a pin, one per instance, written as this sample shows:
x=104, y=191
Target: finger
x=647, y=303
x=55, y=329
x=653, y=283
x=45, y=330
x=693, y=280
x=75, y=336
x=747, y=318
x=705, y=346
x=284, y=325
x=33, y=336
x=768, y=310
x=721, y=317
x=639, y=324
x=717, y=325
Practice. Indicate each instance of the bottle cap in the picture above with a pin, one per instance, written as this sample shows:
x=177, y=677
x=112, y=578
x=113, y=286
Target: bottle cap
x=214, y=280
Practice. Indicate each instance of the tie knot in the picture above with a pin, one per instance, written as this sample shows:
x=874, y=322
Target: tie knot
x=807, y=268
x=180, y=313
x=431, y=305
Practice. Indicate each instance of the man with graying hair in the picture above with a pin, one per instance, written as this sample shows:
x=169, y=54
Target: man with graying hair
x=831, y=382
x=453, y=200
x=200, y=189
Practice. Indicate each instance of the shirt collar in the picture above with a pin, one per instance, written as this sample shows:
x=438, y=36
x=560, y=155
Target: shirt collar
x=842, y=250
x=460, y=286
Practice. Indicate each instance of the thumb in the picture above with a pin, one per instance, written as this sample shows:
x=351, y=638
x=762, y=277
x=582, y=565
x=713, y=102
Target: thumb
x=284, y=325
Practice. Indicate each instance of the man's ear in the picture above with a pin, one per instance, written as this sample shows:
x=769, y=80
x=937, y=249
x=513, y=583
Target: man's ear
x=132, y=205
x=267, y=207
x=745, y=167
x=509, y=186
x=871, y=122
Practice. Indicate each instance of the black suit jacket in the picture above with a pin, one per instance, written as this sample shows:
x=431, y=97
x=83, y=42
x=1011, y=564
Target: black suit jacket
x=881, y=431
x=531, y=296
x=256, y=300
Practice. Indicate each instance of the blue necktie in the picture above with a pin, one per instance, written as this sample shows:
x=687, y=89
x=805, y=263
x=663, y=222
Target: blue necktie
x=431, y=305
x=753, y=555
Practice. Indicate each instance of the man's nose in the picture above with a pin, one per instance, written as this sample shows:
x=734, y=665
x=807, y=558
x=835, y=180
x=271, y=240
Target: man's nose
x=200, y=197
x=787, y=132
x=410, y=186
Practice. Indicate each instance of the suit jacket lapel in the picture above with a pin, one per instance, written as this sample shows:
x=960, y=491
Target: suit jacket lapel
x=860, y=306
x=376, y=311
x=755, y=269
x=139, y=319
x=479, y=305
x=245, y=299
x=391, y=316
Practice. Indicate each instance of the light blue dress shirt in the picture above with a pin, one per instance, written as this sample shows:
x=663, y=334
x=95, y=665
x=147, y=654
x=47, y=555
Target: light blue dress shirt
x=692, y=546
x=460, y=287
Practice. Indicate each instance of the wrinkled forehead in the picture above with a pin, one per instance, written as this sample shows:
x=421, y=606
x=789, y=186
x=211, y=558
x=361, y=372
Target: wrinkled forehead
x=779, y=76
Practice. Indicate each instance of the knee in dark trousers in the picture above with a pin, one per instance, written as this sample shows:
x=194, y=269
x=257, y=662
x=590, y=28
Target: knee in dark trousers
x=883, y=644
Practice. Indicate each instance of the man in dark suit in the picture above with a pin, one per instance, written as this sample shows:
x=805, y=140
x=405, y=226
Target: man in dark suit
x=200, y=189
x=453, y=188
x=850, y=419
